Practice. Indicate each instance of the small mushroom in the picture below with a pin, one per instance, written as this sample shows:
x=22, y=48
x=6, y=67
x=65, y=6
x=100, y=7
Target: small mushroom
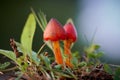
x=54, y=32
x=71, y=37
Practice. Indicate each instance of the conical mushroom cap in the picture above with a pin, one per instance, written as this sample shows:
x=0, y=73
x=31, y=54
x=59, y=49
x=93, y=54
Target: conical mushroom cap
x=71, y=32
x=54, y=31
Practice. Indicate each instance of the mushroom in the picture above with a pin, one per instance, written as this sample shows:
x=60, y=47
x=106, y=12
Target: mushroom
x=71, y=37
x=54, y=32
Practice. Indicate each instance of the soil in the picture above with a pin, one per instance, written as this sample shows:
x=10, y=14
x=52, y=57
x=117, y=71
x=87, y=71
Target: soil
x=97, y=73
x=5, y=76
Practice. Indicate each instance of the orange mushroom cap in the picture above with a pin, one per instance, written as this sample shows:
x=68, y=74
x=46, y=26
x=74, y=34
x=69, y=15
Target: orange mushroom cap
x=71, y=32
x=54, y=31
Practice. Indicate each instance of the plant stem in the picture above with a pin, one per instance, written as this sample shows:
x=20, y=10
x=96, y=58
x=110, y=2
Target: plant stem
x=10, y=69
x=41, y=48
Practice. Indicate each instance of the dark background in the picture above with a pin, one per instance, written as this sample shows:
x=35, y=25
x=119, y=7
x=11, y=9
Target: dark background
x=14, y=13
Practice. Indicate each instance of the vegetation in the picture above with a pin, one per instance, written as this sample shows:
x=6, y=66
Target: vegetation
x=64, y=65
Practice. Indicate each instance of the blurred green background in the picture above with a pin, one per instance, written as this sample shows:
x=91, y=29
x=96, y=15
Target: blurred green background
x=14, y=13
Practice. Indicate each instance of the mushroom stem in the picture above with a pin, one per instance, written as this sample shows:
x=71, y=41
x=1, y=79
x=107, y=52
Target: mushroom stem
x=57, y=52
x=67, y=51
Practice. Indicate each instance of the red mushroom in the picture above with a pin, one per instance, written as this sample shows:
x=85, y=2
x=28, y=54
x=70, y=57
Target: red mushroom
x=54, y=32
x=71, y=36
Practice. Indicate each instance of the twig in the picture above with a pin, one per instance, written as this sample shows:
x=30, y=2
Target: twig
x=10, y=69
x=113, y=65
x=14, y=47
